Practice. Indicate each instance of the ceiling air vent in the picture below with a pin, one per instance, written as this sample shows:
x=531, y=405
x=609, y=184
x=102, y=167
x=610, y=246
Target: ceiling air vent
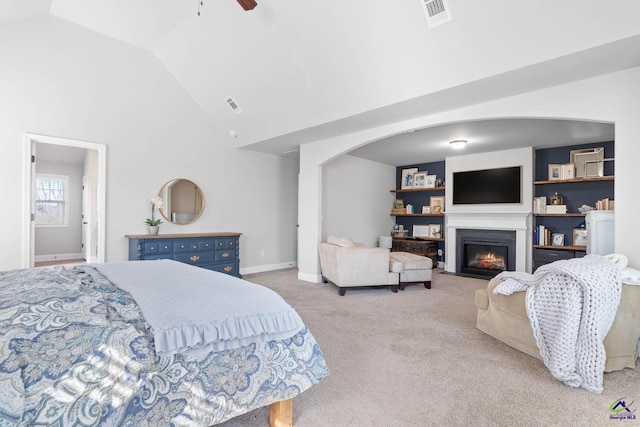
x=436, y=11
x=233, y=104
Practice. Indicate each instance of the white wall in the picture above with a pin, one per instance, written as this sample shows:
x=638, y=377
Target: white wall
x=62, y=242
x=62, y=80
x=356, y=199
x=613, y=98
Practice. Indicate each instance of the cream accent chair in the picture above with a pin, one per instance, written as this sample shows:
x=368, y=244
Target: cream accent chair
x=348, y=265
x=504, y=317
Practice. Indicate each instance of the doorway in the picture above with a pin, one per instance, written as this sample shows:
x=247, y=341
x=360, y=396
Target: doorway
x=93, y=173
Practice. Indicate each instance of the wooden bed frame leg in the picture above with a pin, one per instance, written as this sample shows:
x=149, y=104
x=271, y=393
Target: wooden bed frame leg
x=281, y=414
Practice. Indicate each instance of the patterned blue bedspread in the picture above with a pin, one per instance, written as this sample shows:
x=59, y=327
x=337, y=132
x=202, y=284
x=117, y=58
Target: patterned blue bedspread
x=76, y=351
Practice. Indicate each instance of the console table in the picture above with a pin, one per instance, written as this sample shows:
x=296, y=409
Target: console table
x=214, y=251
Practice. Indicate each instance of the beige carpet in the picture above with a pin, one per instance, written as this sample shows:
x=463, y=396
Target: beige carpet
x=415, y=358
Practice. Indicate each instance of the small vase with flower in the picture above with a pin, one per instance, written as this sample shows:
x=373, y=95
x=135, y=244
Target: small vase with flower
x=153, y=224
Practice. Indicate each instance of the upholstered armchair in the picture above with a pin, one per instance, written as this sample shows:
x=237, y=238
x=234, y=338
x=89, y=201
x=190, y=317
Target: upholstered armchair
x=505, y=317
x=349, y=264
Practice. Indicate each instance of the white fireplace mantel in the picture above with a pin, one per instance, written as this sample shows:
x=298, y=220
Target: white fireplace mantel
x=520, y=222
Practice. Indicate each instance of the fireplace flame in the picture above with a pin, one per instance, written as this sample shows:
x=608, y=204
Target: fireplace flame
x=488, y=260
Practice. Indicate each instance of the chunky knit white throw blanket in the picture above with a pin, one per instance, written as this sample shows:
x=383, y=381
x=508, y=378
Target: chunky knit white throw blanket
x=571, y=305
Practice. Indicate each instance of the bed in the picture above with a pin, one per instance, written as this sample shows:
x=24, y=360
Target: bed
x=83, y=347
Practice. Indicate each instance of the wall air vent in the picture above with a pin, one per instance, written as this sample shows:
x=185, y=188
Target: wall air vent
x=436, y=11
x=233, y=104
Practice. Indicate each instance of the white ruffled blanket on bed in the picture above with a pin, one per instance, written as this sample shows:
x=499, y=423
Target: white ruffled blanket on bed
x=571, y=305
x=194, y=311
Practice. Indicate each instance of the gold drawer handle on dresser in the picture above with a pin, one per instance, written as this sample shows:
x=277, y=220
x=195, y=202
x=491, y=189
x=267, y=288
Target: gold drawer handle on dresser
x=228, y=268
x=195, y=258
x=225, y=255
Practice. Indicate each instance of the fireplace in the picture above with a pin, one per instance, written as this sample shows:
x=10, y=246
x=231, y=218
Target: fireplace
x=485, y=253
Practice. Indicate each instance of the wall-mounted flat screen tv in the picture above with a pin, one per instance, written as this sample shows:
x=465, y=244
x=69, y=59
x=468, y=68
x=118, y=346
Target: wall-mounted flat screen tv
x=500, y=185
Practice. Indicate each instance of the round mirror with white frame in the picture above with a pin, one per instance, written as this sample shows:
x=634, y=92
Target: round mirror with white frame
x=183, y=201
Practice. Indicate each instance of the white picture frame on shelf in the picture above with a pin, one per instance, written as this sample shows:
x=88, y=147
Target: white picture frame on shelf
x=437, y=204
x=555, y=172
x=420, y=231
x=419, y=179
x=435, y=230
x=588, y=162
x=568, y=171
x=407, y=178
x=430, y=181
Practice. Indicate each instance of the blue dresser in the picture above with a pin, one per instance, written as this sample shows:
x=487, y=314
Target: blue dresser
x=214, y=251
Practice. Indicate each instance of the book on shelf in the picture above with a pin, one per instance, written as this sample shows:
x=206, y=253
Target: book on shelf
x=398, y=211
x=542, y=236
x=605, y=204
x=540, y=205
x=556, y=209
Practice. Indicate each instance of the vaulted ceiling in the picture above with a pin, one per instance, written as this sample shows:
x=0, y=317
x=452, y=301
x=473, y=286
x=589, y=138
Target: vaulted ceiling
x=303, y=70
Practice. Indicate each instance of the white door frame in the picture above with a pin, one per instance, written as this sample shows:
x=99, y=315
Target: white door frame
x=28, y=230
x=86, y=219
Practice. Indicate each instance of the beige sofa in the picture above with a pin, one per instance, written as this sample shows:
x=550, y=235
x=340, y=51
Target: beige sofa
x=349, y=265
x=505, y=318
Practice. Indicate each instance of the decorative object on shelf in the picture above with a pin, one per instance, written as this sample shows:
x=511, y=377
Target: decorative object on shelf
x=585, y=208
x=409, y=208
x=439, y=183
x=385, y=242
x=437, y=204
x=540, y=205
x=399, y=233
x=556, y=199
x=426, y=209
x=419, y=179
x=568, y=171
x=407, y=178
x=398, y=204
x=435, y=230
x=579, y=237
x=588, y=162
x=557, y=239
x=430, y=181
x=605, y=204
x=153, y=223
x=421, y=231
x=556, y=209
x=555, y=172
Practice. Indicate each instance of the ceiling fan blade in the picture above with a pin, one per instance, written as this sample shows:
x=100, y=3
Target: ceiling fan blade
x=247, y=4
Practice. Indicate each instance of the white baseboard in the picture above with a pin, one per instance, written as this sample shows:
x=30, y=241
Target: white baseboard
x=268, y=267
x=56, y=257
x=313, y=278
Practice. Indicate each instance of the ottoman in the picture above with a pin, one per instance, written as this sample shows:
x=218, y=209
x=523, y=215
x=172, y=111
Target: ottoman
x=411, y=267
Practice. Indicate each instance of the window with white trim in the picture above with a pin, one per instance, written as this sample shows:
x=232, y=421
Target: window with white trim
x=52, y=207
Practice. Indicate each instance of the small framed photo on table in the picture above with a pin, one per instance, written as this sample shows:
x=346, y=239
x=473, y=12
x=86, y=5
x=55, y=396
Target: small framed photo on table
x=579, y=237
